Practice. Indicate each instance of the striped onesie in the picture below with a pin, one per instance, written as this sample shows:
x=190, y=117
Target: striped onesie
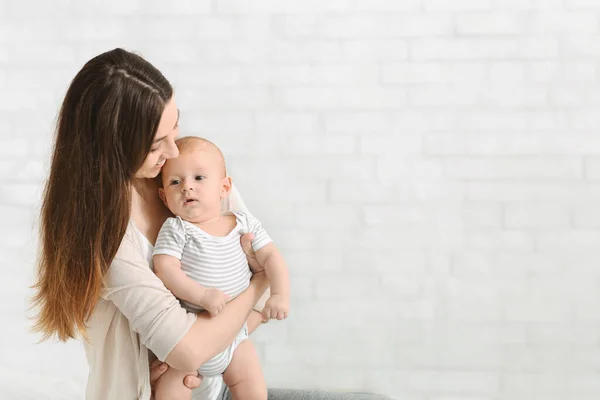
x=214, y=262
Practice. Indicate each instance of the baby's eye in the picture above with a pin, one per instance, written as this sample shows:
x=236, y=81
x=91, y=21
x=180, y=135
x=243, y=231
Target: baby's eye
x=200, y=177
x=174, y=182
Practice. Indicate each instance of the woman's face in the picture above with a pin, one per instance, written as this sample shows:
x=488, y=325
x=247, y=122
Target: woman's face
x=163, y=146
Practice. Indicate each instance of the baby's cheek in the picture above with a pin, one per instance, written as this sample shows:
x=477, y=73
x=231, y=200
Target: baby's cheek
x=172, y=199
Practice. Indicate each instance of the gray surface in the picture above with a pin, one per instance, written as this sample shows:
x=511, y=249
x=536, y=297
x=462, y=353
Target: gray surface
x=287, y=394
x=296, y=394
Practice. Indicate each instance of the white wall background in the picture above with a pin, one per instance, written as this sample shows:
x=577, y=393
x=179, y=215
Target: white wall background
x=430, y=168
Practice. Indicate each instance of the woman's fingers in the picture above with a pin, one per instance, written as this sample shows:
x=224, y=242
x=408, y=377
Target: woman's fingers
x=157, y=368
x=266, y=314
x=247, y=244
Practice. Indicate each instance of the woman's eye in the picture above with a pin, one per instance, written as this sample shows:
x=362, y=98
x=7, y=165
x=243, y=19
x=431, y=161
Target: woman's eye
x=153, y=149
x=199, y=177
x=174, y=182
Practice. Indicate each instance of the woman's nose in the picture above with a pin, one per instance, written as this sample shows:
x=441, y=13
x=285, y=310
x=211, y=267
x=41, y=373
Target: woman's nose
x=173, y=151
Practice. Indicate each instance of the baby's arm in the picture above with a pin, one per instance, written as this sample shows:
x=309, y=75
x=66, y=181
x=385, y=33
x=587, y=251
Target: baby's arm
x=278, y=305
x=168, y=269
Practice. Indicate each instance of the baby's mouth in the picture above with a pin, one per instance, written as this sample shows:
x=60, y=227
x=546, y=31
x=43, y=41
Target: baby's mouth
x=189, y=201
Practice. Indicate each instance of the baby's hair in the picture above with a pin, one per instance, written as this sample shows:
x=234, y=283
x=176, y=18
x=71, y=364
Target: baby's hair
x=189, y=143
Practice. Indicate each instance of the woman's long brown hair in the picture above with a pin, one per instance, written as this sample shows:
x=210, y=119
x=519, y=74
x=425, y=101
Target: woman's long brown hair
x=104, y=131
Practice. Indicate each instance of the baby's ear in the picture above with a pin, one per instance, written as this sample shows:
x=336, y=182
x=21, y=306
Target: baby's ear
x=163, y=197
x=226, y=187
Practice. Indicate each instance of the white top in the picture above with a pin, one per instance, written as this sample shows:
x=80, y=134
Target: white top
x=213, y=261
x=136, y=313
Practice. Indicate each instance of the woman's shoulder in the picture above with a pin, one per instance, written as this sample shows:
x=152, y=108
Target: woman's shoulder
x=131, y=244
x=245, y=219
x=131, y=266
x=241, y=216
x=133, y=254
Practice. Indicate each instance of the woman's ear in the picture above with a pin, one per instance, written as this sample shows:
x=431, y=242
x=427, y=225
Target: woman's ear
x=226, y=187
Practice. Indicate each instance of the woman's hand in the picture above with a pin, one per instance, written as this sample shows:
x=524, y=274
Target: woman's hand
x=158, y=368
x=246, y=241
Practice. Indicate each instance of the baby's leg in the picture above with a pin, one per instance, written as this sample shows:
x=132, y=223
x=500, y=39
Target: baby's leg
x=244, y=375
x=170, y=386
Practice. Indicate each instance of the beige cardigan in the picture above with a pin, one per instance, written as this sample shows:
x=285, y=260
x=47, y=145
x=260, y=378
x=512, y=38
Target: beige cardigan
x=135, y=313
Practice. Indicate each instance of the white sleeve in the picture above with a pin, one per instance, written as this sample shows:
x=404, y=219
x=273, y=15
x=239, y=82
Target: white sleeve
x=151, y=309
x=171, y=239
x=261, y=237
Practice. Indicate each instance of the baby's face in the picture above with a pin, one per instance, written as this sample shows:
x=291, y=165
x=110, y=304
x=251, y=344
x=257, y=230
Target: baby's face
x=193, y=184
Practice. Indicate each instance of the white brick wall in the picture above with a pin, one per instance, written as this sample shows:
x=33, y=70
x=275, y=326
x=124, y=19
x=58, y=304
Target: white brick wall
x=430, y=169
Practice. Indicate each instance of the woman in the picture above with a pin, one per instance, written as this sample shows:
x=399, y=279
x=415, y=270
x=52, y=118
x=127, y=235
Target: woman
x=99, y=218
x=116, y=127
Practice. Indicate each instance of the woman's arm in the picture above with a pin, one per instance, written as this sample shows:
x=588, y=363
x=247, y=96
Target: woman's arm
x=254, y=317
x=156, y=315
x=254, y=320
x=209, y=336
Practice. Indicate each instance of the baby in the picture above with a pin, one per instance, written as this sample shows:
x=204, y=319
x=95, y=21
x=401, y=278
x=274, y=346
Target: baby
x=199, y=258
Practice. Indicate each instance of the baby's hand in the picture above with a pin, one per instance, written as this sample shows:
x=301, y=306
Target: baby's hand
x=277, y=307
x=214, y=301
